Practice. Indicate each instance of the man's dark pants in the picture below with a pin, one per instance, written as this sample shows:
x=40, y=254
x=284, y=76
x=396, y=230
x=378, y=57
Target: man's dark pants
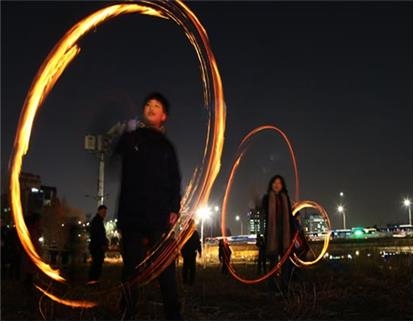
x=134, y=248
x=97, y=256
x=189, y=267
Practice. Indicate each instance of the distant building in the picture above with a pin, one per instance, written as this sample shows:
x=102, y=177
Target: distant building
x=33, y=196
x=30, y=195
x=315, y=224
x=49, y=193
x=256, y=221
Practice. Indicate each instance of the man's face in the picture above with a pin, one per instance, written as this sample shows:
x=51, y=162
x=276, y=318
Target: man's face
x=102, y=212
x=154, y=114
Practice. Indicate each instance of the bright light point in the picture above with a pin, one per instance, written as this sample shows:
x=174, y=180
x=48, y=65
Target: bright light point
x=237, y=218
x=203, y=212
x=357, y=252
x=35, y=190
x=349, y=256
x=341, y=194
x=79, y=222
x=216, y=208
x=62, y=225
x=340, y=209
x=407, y=202
x=41, y=239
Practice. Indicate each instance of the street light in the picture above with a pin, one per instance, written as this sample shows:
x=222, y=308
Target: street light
x=203, y=213
x=407, y=203
x=341, y=210
x=241, y=224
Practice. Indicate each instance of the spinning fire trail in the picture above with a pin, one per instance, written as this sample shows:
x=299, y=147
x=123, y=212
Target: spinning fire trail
x=295, y=208
x=200, y=185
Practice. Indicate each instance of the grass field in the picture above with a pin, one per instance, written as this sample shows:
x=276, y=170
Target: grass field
x=361, y=288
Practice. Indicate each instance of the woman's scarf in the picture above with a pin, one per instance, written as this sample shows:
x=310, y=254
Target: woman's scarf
x=275, y=239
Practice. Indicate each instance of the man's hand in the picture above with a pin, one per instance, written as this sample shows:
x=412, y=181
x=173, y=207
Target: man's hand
x=131, y=125
x=173, y=217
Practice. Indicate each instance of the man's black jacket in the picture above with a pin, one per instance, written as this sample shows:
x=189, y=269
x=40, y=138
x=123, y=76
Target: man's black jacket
x=191, y=246
x=150, y=184
x=98, y=239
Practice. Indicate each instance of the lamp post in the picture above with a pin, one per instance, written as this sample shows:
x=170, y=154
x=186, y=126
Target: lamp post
x=237, y=218
x=341, y=210
x=203, y=213
x=214, y=219
x=407, y=203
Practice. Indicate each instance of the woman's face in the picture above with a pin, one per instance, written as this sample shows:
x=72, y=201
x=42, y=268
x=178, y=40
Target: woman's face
x=277, y=185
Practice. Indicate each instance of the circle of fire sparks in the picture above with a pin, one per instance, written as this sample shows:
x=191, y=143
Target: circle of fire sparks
x=299, y=205
x=295, y=209
x=198, y=190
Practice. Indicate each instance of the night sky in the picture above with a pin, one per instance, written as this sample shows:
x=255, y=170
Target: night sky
x=335, y=76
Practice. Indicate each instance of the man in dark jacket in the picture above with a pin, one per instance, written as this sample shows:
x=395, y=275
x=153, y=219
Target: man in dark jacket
x=98, y=244
x=260, y=243
x=189, y=253
x=224, y=255
x=149, y=199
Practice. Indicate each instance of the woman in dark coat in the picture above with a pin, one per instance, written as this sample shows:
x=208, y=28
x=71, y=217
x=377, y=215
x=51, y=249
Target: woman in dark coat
x=279, y=228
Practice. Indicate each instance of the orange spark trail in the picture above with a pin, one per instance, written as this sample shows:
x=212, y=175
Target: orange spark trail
x=55, y=64
x=296, y=208
x=68, y=302
x=311, y=204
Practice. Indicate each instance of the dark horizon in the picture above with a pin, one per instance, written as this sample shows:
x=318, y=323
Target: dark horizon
x=335, y=76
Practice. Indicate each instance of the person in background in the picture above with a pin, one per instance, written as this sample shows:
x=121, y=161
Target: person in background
x=189, y=254
x=98, y=244
x=224, y=255
x=260, y=243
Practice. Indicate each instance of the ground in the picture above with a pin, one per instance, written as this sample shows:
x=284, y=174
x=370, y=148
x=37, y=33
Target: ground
x=361, y=288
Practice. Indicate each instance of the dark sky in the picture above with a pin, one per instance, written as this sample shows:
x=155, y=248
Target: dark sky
x=335, y=76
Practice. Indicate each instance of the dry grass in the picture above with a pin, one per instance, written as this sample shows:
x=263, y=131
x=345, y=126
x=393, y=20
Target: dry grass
x=359, y=289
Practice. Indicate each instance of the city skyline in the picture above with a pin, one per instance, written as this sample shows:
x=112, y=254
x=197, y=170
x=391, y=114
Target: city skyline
x=336, y=77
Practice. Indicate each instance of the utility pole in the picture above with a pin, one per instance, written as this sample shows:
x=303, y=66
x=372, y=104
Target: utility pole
x=100, y=182
x=100, y=145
